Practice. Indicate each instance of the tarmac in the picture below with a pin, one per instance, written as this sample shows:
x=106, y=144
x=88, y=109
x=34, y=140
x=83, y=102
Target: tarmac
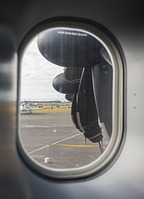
x=53, y=141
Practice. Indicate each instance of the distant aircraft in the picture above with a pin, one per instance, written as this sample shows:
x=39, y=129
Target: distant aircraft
x=28, y=107
x=25, y=107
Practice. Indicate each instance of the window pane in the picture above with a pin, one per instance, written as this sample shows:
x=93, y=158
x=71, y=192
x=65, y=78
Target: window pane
x=66, y=98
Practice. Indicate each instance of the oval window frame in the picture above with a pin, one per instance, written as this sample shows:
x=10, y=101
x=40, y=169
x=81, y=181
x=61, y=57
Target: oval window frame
x=115, y=52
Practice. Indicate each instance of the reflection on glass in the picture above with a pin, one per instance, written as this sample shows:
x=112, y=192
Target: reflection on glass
x=66, y=98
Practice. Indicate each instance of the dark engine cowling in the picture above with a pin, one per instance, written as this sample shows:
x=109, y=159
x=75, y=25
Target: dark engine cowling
x=83, y=58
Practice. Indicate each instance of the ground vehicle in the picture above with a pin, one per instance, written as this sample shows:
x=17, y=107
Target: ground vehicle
x=125, y=177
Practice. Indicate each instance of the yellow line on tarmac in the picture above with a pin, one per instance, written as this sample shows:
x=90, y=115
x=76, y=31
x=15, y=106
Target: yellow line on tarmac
x=77, y=145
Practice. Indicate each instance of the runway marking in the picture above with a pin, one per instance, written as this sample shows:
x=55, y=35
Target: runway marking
x=57, y=143
x=54, y=143
x=77, y=145
x=29, y=126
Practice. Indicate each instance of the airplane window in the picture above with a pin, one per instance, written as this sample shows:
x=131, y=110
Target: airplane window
x=70, y=101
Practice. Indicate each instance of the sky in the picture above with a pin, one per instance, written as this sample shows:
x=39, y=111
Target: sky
x=37, y=74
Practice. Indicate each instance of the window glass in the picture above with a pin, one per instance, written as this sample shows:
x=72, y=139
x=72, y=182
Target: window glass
x=66, y=104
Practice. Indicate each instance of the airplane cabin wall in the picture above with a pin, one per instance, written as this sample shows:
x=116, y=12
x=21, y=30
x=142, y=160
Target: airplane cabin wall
x=125, y=177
